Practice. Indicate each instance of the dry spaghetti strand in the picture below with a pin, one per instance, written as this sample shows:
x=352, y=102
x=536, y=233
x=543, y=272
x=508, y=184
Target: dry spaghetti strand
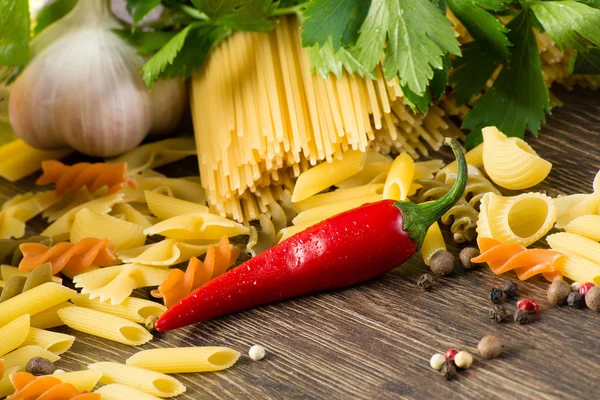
x=179, y=284
x=29, y=387
x=70, y=258
x=92, y=176
x=504, y=257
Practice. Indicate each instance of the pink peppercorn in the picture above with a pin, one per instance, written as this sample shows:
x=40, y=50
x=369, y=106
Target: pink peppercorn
x=450, y=353
x=583, y=289
x=528, y=305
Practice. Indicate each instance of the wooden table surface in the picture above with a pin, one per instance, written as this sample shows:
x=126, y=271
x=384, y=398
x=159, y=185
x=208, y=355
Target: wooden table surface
x=374, y=341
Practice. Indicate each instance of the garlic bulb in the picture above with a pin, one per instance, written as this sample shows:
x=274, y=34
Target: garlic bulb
x=83, y=89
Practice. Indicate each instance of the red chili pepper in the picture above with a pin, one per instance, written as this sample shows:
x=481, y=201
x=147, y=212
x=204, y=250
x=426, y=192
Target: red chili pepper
x=348, y=248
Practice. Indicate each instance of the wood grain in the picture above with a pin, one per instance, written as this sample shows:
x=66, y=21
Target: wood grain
x=373, y=341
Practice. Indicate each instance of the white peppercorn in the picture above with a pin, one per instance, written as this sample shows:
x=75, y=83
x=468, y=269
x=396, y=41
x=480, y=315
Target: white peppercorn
x=463, y=359
x=256, y=352
x=437, y=360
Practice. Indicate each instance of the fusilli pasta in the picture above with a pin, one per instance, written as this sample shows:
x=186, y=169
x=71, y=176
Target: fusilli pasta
x=30, y=387
x=19, y=284
x=9, y=248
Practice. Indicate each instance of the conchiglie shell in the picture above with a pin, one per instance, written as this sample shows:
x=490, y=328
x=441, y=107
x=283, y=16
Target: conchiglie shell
x=195, y=226
x=123, y=234
x=510, y=162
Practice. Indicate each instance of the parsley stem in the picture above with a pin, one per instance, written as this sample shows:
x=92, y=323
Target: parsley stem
x=288, y=10
x=191, y=11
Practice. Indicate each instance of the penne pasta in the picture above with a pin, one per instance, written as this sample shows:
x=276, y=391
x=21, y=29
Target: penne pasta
x=104, y=325
x=117, y=391
x=587, y=226
x=15, y=212
x=165, y=207
x=185, y=359
x=339, y=196
x=8, y=271
x=132, y=309
x=147, y=381
x=434, y=242
x=33, y=301
x=400, y=178
x=327, y=174
x=197, y=226
x=84, y=380
x=18, y=159
x=21, y=356
x=122, y=234
x=13, y=334
x=57, y=343
x=582, y=263
x=49, y=318
x=318, y=214
x=164, y=253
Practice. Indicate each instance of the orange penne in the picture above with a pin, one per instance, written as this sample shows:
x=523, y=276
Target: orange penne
x=504, y=257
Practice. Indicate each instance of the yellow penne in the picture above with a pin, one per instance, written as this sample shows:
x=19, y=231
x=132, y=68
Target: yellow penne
x=33, y=301
x=18, y=159
x=197, y=226
x=510, y=162
x=575, y=244
x=165, y=207
x=59, y=229
x=164, y=253
x=434, y=242
x=120, y=392
x=579, y=269
x=340, y=195
x=150, y=382
x=185, y=359
x=104, y=325
x=286, y=233
x=13, y=334
x=122, y=234
x=8, y=271
x=54, y=342
x=131, y=214
x=133, y=309
x=116, y=283
x=576, y=205
x=84, y=380
x=400, y=178
x=15, y=212
x=587, y=226
x=49, y=318
x=318, y=214
x=521, y=219
x=322, y=176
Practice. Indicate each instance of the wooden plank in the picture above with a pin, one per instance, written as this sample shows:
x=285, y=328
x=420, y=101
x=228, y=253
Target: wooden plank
x=373, y=341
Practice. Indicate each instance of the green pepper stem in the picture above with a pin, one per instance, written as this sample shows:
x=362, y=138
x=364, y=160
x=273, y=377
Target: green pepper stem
x=419, y=217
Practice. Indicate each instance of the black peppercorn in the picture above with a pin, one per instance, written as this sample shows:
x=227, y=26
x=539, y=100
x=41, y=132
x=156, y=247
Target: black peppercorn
x=523, y=317
x=510, y=289
x=576, y=300
x=449, y=370
x=425, y=282
x=40, y=366
x=149, y=323
x=496, y=295
x=498, y=313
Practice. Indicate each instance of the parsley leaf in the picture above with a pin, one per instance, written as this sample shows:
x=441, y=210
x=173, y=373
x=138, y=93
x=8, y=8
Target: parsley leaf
x=246, y=15
x=324, y=60
x=14, y=32
x=440, y=78
x=185, y=52
x=416, y=102
x=414, y=34
x=569, y=23
x=335, y=19
x=146, y=42
x=471, y=71
x=482, y=25
x=52, y=13
x=586, y=62
x=519, y=98
x=591, y=3
x=140, y=8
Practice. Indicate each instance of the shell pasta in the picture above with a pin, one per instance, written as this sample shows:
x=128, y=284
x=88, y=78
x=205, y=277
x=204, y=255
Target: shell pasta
x=185, y=359
x=164, y=253
x=122, y=234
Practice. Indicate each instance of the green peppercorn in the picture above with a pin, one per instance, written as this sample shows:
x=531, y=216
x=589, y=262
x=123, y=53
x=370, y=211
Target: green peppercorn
x=443, y=263
x=510, y=289
x=40, y=366
x=425, y=282
x=150, y=323
x=496, y=295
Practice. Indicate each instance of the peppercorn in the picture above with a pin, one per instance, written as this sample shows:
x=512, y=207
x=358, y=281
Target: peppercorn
x=510, y=289
x=449, y=370
x=498, y=313
x=496, y=295
x=150, y=321
x=443, y=263
x=490, y=347
x=586, y=287
x=257, y=352
x=463, y=359
x=466, y=255
x=425, y=282
x=450, y=353
x=575, y=286
x=576, y=300
x=437, y=361
x=40, y=366
x=558, y=291
x=523, y=316
x=592, y=298
x=528, y=305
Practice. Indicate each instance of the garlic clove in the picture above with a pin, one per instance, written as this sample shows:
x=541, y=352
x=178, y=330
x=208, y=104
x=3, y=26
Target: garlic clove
x=168, y=101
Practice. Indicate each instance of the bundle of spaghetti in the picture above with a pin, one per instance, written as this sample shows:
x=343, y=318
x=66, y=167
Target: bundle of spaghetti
x=70, y=258
x=179, y=284
x=27, y=386
x=92, y=176
x=261, y=118
x=504, y=257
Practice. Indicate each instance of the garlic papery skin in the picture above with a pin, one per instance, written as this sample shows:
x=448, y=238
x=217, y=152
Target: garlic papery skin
x=83, y=88
x=168, y=102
